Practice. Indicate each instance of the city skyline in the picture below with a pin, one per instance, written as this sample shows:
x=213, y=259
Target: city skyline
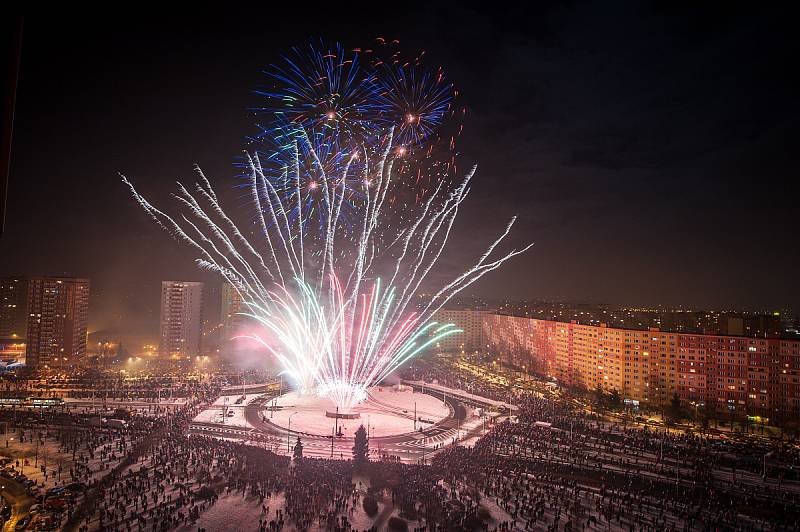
x=222, y=308
x=669, y=219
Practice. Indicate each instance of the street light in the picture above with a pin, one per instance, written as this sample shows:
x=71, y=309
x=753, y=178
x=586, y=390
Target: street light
x=289, y=429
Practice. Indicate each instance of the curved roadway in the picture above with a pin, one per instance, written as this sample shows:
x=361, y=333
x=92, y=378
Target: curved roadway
x=410, y=447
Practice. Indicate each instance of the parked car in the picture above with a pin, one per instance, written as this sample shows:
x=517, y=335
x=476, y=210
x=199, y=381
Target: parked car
x=48, y=521
x=55, y=503
x=76, y=487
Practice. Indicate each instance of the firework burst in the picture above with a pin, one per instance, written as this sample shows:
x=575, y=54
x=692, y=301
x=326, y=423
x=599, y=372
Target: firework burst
x=339, y=307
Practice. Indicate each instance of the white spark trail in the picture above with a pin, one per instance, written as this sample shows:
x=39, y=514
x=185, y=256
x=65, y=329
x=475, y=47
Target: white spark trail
x=333, y=337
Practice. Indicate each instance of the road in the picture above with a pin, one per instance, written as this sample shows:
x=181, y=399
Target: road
x=410, y=447
x=15, y=494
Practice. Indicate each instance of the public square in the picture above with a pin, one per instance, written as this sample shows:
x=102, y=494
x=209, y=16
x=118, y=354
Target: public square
x=524, y=455
x=400, y=267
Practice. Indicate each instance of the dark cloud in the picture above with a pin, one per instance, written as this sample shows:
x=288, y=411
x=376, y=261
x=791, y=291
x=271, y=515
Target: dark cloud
x=648, y=148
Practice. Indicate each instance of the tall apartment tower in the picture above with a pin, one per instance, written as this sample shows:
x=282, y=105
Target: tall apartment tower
x=471, y=324
x=181, y=318
x=13, y=307
x=231, y=307
x=58, y=315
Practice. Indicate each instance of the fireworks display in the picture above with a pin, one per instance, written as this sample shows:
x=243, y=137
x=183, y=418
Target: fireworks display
x=347, y=229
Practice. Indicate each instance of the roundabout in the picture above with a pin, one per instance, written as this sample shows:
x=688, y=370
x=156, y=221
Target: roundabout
x=387, y=411
x=408, y=422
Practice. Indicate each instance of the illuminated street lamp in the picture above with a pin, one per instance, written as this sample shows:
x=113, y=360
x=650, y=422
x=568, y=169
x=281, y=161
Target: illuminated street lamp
x=289, y=429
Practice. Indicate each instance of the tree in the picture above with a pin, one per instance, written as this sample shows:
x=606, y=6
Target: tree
x=599, y=398
x=615, y=399
x=298, y=450
x=361, y=447
x=674, y=411
x=778, y=420
x=705, y=416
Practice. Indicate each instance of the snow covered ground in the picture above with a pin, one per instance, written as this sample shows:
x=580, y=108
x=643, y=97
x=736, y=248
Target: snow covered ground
x=387, y=411
x=57, y=461
x=233, y=511
x=460, y=393
x=225, y=411
x=234, y=416
x=230, y=400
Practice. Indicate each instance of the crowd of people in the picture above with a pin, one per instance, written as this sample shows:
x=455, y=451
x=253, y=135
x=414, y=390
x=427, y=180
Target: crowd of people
x=459, y=378
x=556, y=468
x=172, y=483
x=550, y=466
x=56, y=455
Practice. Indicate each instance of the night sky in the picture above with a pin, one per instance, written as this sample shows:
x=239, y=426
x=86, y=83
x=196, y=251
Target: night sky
x=650, y=150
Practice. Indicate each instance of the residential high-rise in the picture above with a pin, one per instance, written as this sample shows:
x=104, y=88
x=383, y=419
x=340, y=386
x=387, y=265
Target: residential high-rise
x=13, y=317
x=181, y=318
x=471, y=324
x=231, y=307
x=58, y=315
x=728, y=376
x=13, y=308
